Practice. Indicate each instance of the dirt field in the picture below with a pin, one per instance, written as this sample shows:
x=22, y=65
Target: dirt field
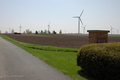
x=70, y=41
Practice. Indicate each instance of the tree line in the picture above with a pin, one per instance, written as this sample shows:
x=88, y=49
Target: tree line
x=42, y=32
x=27, y=31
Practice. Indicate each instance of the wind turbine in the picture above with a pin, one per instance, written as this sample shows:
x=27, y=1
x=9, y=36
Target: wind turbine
x=79, y=20
x=20, y=27
x=84, y=29
x=48, y=27
x=111, y=29
x=117, y=31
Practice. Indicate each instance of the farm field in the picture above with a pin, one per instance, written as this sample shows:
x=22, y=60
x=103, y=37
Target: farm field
x=65, y=56
x=69, y=41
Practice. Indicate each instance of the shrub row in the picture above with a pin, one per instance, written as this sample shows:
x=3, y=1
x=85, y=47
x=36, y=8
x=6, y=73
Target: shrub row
x=100, y=60
x=17, y=33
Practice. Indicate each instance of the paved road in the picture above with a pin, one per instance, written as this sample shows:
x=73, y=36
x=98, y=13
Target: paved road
x=17, y=64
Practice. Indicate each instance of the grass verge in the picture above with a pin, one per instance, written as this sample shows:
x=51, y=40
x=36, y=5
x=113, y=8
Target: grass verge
x=63, y=59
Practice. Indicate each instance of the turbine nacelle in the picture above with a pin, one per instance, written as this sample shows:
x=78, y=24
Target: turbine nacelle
x=79, y=20
x=48, y=26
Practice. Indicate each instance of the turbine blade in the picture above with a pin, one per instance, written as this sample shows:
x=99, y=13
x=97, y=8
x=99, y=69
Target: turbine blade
x=81, y=21
x=81, y=13
x=76, y=17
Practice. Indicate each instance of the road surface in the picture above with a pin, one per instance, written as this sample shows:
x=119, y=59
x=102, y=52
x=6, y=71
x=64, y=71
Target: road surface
x=17, y=64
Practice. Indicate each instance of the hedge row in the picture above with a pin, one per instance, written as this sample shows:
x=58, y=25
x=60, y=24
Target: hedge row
x=100, y=60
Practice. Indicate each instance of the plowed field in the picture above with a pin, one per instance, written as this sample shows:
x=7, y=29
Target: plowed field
x=70, y=41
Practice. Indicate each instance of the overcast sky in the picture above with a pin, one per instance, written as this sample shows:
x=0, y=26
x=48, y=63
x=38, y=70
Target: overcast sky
x=36, y=15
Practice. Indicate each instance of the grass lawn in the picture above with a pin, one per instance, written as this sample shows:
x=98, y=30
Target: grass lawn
x=63, y=59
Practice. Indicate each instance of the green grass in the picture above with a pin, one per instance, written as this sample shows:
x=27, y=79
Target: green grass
x=63, y=59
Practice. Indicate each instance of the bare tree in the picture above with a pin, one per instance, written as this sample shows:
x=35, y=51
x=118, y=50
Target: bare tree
x=12, y=31
x=39, y=32
x=24, y=32
x=28, y=31
x=6, y=32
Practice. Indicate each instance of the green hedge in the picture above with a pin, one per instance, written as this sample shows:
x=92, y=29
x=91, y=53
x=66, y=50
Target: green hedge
x=100, y=60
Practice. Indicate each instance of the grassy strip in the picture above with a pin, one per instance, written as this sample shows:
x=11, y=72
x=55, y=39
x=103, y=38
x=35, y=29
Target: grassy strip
x=65, y=62
x=39, y=47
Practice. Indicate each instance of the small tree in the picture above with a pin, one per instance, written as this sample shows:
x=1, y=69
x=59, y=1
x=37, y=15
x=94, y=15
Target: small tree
x=49, y=32
x=24, y=32
x=41, y=31
x=54, y=32
x=45, y=32
x=36, y=32
x=0, y=31
x=28, y=31
x=60, y=32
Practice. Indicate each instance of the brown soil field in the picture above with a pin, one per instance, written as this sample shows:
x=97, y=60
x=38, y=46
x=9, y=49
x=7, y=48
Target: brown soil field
x=69, y=41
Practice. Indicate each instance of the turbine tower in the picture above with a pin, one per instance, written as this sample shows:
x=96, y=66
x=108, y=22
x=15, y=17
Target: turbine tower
x=79, y=20
x=48, y=27
x=111, y=29
x=84, y=29
x=20, y=27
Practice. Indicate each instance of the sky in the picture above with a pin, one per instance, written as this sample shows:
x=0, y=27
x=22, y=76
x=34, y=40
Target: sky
x=36, y=15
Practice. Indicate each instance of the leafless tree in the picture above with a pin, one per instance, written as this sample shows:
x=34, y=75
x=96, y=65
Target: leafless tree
x=12, y=31
x=6, y=32
x=28, y=31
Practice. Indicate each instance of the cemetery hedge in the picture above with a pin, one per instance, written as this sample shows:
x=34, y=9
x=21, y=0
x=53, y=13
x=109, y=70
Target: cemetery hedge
x=100, y=60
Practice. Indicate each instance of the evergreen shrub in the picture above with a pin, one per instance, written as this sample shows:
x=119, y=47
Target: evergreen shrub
x=100, y=60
